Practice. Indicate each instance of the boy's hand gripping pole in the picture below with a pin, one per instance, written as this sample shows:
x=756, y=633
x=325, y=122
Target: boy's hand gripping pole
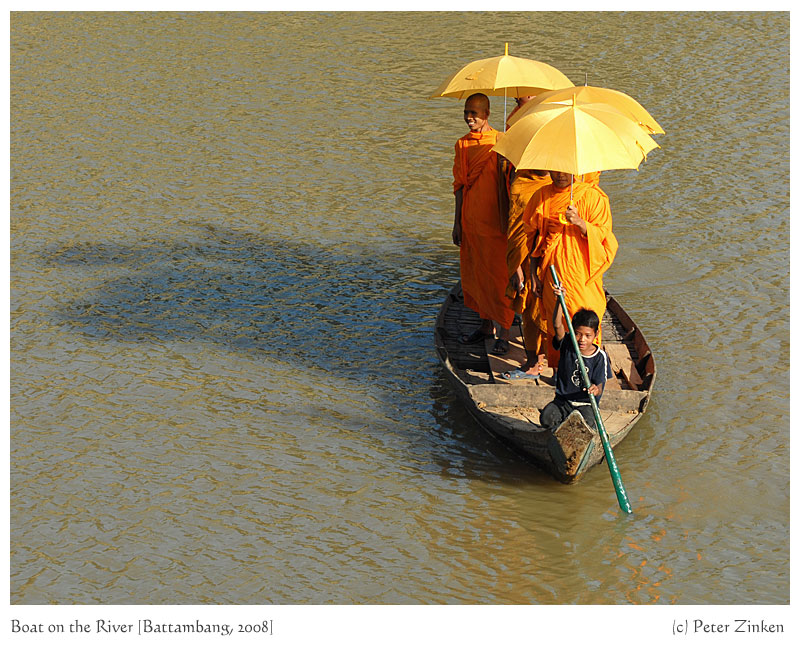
x=622, y=496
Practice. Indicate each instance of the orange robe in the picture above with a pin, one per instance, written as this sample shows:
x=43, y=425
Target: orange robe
x=513, y=112
x=525, y=184
x=483, y=227
x=589, y=178
x=580, y=261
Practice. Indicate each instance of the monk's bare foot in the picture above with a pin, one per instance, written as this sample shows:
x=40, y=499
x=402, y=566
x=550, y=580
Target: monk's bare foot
x=533, y=370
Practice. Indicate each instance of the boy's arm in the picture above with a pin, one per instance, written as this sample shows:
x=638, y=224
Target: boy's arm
x=597, y=388
x=558, y=316
x=601, y=373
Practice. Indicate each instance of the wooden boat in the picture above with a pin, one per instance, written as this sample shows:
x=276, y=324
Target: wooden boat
x=509, y=410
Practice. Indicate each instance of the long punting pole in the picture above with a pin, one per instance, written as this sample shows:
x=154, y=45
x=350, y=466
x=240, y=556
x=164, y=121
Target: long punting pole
x=622, y=496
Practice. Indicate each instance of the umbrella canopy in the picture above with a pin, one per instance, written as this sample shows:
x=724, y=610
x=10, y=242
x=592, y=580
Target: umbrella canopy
x=502, y=76
x=575, y=138
x=586, y=96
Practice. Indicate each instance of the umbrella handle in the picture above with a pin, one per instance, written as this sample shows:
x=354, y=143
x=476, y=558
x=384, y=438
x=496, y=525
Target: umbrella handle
x=562, y=217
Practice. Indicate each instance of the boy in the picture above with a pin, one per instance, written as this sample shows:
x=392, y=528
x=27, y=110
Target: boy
x=570, y=391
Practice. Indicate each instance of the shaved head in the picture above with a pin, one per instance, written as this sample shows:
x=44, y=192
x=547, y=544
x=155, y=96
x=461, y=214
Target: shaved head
x=481, y=101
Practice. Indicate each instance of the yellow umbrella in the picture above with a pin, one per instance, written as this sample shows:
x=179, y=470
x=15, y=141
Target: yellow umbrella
x=586, y=96
x=574, y=138
x=502, y=76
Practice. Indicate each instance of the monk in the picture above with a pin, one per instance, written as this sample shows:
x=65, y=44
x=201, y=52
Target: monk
x=521, y=100
x=576, y=237
x=479, y=226
x=524, y=184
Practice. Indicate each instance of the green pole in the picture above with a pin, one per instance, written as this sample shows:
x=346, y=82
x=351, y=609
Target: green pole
x=622, y=496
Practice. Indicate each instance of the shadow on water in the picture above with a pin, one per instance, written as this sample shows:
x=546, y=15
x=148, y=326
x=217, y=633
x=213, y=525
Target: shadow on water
x=366, y=318
x=297, y=303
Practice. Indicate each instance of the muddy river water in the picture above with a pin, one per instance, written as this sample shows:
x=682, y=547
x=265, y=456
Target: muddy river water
x=230, y=236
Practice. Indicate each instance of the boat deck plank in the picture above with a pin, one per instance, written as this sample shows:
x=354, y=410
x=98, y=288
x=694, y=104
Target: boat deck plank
x=613, y=420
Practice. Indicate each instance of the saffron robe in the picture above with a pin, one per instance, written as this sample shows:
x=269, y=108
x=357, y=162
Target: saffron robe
x=483, y=227
x=520, y=191
x=513, y=112
x=589, y=178
x=580, y=261
x=525, y=184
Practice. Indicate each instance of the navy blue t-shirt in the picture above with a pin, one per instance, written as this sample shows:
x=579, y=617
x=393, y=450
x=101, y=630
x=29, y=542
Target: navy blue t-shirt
x=569, y=383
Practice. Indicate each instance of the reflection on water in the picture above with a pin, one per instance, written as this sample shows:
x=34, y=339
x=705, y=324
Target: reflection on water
x=227, y=255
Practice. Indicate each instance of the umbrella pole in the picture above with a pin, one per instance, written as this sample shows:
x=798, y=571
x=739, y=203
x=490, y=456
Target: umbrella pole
x=570, y=189
x=505, y=92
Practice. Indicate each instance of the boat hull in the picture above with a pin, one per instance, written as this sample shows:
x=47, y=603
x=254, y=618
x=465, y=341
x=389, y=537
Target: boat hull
x=510, y=411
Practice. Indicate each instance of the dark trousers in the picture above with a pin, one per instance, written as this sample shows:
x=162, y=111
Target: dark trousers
x=559, y=409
